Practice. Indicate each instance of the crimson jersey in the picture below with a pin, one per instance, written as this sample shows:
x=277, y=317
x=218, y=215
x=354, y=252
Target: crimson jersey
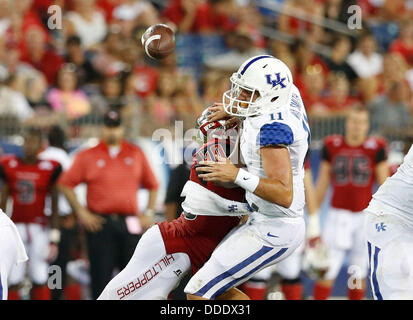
x=198, y=235
x=353, y=170
x=29, y=185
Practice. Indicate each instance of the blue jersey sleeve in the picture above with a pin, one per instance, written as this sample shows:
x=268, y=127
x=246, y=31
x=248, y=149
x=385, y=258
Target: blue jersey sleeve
x=275, y=134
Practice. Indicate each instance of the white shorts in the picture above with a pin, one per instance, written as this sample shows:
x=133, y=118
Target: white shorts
x=389, y=248
x=151, y=274
x=12, y=252
x=344, y=233
x=249, y=248
x=290, y=268
x=36, y=241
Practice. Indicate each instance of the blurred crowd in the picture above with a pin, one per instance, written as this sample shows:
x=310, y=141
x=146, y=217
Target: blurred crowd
x=73, y=70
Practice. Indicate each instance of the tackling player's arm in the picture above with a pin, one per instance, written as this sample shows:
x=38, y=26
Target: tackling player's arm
x=276, y=188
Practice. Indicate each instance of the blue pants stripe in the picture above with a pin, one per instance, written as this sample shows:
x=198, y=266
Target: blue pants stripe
x=233, y=282
x=376, y=287
x=233, y=270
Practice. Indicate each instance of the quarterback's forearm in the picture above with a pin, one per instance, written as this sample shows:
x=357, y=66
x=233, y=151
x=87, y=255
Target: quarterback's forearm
x=271, y=189
x=275, y=191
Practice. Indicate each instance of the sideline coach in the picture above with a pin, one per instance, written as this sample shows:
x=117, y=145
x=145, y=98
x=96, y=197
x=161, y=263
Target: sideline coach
x=113, y=172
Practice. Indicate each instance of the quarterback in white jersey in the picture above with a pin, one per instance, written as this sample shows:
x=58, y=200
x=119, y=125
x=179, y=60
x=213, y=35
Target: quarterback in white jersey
x=12, y=251
x=274, y=141
x=389, y=231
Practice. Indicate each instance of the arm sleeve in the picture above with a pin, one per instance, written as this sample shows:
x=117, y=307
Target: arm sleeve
x=149, y=180
x=275, y=134
x=381, y=154
x=56, y=173
x=75, y=174
x=325, y=155
x=3, y=175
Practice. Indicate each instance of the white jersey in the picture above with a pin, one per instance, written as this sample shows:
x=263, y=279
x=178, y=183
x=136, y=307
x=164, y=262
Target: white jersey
x=395, y=195
x=286, y=126
x=6, y=222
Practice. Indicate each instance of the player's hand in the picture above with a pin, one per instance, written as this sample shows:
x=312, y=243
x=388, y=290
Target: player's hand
x=218, y=112
x=221, y=171
x=92, y=222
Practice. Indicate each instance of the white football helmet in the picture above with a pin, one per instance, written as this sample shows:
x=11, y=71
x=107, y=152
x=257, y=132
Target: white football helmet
x=265, y=80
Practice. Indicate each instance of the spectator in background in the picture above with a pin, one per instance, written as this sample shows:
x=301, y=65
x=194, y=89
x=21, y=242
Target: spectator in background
x=394, y=70
x=297, y=27
x=111, y=96
x=365, y=60
x=187, y=102
x=305, y=57
x=34, y=88
x=22, y=19
x=11, y=62
x=312, y=90
x=144, y=77
x=5, y=10
x=108, y=59
x=132, y=13
x=113, y=171
x=67, y=98
x=40, y=56
x=213, y=84
x=404, y=43
x=198, y=16
x=242, y=44
x=389, y=113
x=107, y=7
x=76, y=55
x=87, y=21
x=12, y=102
x=160, y=107
x=338, y=99
x=341, y=48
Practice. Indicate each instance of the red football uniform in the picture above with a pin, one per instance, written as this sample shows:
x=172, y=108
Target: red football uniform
x=29, y=185
x=198, y=235
x=353, y=173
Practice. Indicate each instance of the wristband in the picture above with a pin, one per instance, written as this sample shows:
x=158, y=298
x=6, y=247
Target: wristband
x=54, y=235
x=313, y=227
x=149, y=212
x=247, y=180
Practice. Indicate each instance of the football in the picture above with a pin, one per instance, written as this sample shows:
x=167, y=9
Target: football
x=158, y=41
